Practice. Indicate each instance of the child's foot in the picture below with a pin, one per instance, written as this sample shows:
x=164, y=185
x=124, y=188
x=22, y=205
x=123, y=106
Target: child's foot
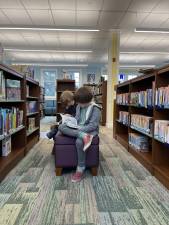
x=77, y=177
x=87, y=139
x=49, y=135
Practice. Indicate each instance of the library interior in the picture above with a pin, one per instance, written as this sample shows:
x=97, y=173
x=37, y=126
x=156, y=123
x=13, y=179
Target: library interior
x=84, y=112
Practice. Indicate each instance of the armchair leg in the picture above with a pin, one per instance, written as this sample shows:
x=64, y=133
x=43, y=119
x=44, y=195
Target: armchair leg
x=94, y=171
x=58, y=171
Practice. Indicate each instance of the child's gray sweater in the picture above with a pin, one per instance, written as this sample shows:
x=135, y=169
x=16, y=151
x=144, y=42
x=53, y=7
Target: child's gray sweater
x=93, y=115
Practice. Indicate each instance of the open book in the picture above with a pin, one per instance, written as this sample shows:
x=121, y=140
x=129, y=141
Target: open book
x=69, y=120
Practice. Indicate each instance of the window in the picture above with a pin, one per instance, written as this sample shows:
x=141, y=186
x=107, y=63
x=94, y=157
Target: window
x=49, y=77
x=77, y=78
x=131, y=76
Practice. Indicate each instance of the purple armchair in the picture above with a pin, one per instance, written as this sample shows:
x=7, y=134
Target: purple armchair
x=66, y=154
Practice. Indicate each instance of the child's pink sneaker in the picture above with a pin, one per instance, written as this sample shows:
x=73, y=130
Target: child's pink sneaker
x=87, y=140
x=77, y=177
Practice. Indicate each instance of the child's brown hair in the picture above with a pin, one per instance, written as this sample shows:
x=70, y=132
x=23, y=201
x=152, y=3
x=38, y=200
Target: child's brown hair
x=83, y=95
x=66, y=97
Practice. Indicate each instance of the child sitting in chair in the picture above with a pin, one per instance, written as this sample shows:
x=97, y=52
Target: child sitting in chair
x=88, y=118
x=67, y=100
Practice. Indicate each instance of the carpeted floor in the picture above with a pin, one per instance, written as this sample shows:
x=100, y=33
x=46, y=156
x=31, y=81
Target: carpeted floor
x=124, y=193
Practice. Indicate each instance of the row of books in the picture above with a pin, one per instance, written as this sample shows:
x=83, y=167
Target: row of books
x=31, y=106
x=162, y=97
x=161, y=130
x=143, y=123
x=123, y=99
x=31, y=124
x=124, y=117
x=139, y=142
x=10, y=119
x=9, y=89
x=142, y=98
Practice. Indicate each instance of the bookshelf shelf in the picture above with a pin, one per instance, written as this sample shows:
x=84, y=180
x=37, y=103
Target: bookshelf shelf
x=31, y=97
x=141, y=131
x=16, y=108
x=126, y=125
x=32, y=131
x=156, y=160
x=32, y=114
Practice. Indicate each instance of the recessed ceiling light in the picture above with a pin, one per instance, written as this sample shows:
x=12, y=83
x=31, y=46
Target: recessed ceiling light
x=47, y=50
x=152, y=30
x=42, y=28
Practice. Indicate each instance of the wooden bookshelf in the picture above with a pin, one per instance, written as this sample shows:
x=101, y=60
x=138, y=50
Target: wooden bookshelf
x=100, y=97
x=157, y=159
x=42, y=102
x=32, y=136
x=61, y=86
x=20, y=139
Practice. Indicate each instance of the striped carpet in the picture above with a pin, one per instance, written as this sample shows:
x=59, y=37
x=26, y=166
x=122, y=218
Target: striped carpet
x=124, y=193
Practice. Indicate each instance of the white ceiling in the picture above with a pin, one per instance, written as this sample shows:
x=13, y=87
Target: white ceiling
x=125, y=15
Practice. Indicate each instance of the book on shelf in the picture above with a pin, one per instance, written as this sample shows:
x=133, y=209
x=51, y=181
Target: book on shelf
x=123, y=99
x=13, y=89
x=31, y=124
x=31, y=106
x=161, y=130
x=162, y=97
x=124, y=117
x=10, y=119
x=6, y=146
x=2, y=86
x=142, y=98
x=139, y=142
x=141, y=122
x=27, y=90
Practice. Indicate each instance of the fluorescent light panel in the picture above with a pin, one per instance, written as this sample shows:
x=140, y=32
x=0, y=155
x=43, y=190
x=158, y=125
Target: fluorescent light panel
x=47, y=50
x=152, y=30
x=160, y=53
x=54, y=65
x=137, y=66
x=49, y=29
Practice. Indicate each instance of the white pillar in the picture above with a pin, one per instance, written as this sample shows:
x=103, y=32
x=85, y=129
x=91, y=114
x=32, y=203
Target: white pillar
x=113, y=71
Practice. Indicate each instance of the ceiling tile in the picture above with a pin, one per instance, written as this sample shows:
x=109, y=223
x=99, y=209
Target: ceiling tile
x=36, y=4
x=41, y=17
x=162, y=6
x=17, y=16
x=87, y=18
x=109, y=19
x=67, y=42
x=132, y=20
x=154, y=20
x=116, y=5
x=143, y=5
x=4, y=19
x=10, y=4
x=63, y=4
x=89, y=4
x=64, y=17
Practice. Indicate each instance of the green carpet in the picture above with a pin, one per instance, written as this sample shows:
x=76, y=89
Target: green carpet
x=124, y=193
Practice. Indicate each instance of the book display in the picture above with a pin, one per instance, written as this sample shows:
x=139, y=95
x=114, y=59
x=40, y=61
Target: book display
x=147, y=136
x=142, y=123
x=32, y=112
x=14, y=140
x=142, y=98
x=139, y=142
x=42, y=102
x=63, y=85
x=123, y=99
x=124, y=117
